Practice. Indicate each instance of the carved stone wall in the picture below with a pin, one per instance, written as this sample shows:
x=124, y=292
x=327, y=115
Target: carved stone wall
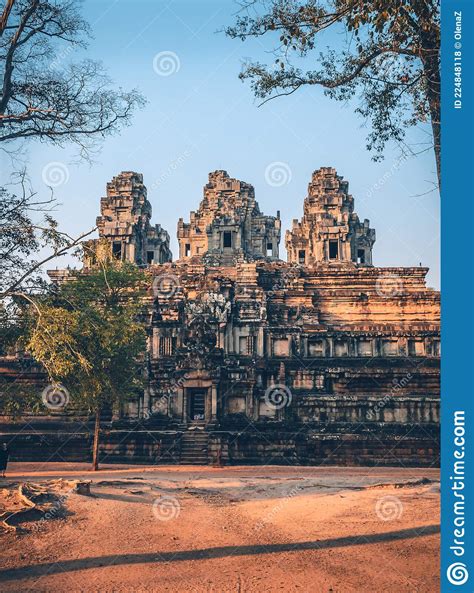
x=268, y=331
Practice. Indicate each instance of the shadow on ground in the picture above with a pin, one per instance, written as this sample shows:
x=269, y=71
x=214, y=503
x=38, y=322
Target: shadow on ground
x=64, y=566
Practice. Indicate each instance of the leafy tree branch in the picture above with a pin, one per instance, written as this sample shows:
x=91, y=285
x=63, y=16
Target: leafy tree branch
x=389, y=60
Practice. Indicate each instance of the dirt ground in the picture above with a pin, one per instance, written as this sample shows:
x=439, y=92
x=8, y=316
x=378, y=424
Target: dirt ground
x=240, y=529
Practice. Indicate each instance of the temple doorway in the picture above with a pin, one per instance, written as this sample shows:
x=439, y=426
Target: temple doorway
x=197, y=405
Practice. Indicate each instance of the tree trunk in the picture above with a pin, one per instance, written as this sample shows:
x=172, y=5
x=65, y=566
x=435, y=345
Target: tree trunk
x=95, y=445
x=429, y=55
x=5, y=15
x=435, y=113
x=437, y=145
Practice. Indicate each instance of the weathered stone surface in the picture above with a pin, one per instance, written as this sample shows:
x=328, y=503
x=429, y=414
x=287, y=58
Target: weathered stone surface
x=329, y=333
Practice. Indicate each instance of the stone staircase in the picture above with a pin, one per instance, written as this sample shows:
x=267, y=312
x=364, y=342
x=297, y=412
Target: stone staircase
x=194, y=447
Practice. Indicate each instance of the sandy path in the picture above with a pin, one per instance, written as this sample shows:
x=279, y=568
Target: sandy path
x=183, y=530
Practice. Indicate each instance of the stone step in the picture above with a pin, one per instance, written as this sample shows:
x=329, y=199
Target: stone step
x=191, y=436
x=200, y=450
x=191, y=451
x=194, y=447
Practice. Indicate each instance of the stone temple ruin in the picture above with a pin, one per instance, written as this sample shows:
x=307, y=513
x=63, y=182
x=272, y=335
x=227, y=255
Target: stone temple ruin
x=324, y=358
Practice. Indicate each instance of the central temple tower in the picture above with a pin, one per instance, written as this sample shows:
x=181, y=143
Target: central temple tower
x=228, y=226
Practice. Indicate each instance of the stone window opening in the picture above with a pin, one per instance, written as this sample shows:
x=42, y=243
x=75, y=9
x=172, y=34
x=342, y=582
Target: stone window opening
x=280, y=347
x=117, y=250
x=227, y=240
x=269, y=249
x=301, y=256
x=333, y=249
x=361, y=256
x=150, y=257
x=364, y=348
x=167, y=345
x=122, y=213
x=315, y=348
x=197, y=404
x=187, y=250
x=416, y=347
x=390, y=347
x=247, y=345
x=340, y=348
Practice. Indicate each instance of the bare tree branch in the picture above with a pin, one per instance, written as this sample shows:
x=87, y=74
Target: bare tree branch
x=43, y=94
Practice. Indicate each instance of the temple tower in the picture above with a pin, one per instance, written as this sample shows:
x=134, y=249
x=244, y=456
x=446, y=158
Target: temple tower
x=228, y=225
x=124, y=225
x=330, y=230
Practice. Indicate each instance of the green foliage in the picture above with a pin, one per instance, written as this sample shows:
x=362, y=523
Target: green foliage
x=89, y=336
x=17, y=398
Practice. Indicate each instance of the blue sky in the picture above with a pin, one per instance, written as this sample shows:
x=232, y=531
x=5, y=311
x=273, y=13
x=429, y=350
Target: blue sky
x=202, y=118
